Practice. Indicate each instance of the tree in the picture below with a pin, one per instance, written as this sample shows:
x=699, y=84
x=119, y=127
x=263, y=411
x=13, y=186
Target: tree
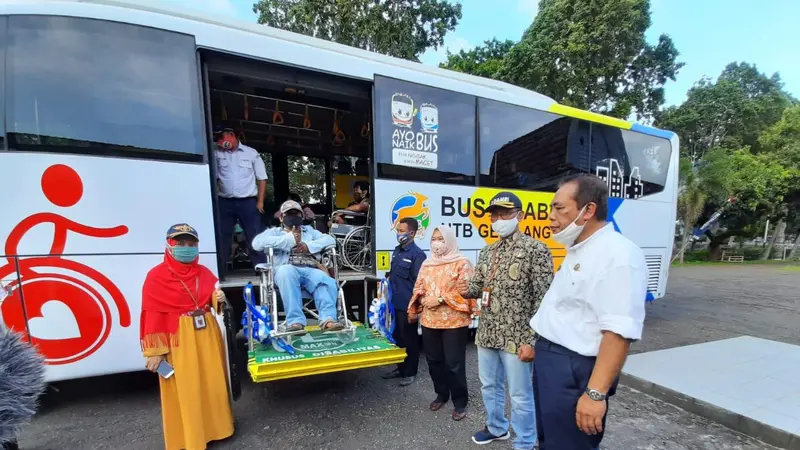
x=783, y=140
x=691, y=201
x=401, y=28
x=758, y=183
x=484, y=61
x=731, y=112
x=592, y=54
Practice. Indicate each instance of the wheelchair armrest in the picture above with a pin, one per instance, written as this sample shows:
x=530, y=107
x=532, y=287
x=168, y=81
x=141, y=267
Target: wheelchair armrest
x=373, y=279
x=346, y=212
x=266, y=266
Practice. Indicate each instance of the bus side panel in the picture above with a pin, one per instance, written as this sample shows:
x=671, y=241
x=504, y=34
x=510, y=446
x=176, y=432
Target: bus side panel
x=648, y=224
x=87, y=230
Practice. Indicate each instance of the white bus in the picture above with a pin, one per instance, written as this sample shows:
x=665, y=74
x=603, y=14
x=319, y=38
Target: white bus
x=106, y=112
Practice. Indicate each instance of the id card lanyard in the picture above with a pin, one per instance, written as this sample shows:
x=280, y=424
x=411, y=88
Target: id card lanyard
x=486, y=295
x=198, y=316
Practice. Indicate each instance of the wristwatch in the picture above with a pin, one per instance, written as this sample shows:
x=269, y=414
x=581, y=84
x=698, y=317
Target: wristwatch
x=595, y=395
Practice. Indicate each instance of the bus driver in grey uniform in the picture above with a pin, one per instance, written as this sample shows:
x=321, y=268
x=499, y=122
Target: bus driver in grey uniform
x=241, y=184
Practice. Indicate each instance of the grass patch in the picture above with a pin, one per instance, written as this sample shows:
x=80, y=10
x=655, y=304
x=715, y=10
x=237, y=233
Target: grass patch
x=792, y=265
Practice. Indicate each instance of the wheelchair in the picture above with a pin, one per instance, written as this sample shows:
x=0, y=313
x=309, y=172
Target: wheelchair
x=268, y=297
x=354, y=238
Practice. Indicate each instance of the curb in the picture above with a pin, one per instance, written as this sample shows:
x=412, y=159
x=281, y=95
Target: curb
x=734, y=421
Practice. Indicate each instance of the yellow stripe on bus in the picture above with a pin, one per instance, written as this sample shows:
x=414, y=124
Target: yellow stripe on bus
x=590, y=116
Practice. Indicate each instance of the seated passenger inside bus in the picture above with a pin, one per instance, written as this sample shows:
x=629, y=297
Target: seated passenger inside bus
x=297, y=268
x=360, y=203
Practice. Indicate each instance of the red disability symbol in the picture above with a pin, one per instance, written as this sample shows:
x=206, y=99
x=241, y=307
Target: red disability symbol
x=75, y=332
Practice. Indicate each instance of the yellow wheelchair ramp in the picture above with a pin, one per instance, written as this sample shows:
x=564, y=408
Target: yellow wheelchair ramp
x=317, y=353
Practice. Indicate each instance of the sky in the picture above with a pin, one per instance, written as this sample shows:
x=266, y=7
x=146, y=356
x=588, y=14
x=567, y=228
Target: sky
x=709, y=34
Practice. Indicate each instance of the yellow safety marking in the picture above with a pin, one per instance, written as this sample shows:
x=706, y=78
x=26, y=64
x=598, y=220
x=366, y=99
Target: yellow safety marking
x=590, y=116
x=384, y=260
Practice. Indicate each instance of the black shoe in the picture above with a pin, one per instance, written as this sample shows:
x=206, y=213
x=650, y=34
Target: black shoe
x=407, y=381
x=393, y=374
x=10, y=445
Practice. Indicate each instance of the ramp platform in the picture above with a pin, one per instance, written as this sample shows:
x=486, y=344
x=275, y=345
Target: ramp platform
x=317, y=353
x=748, y=384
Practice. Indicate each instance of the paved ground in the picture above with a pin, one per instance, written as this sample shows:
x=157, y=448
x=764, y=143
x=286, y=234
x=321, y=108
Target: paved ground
x=345, y=410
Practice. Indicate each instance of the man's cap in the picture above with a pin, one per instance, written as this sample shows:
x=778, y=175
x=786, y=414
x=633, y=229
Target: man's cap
x=181, y=229
x=505, y=199
x=218, y=129
x=289, y=205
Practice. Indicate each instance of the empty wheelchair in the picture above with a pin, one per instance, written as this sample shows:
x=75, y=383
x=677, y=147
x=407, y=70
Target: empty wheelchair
x=354, y=238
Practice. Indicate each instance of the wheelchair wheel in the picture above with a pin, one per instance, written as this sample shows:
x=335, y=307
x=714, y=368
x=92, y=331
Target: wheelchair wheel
x=356, y=249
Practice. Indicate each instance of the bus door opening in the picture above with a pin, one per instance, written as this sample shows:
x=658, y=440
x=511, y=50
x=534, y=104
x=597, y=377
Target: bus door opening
x=313, y=132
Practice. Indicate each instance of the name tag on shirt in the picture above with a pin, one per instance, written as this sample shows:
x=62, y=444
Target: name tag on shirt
x=406, y=260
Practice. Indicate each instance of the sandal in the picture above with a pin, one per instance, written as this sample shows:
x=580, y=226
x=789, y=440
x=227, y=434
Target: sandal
x=459, y=414
x=331, y=326
x=295, y=328
x=437, y=404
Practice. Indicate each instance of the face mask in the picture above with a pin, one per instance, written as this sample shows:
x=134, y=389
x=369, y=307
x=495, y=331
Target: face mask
x=184, y=254
x=568, y=235
x=292, y=221
x=403, y=239
x=227, y=143
x=505, y=227
x=437, y=248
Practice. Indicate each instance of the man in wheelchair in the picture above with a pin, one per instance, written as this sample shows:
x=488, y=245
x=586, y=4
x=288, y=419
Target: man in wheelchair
x=297, y=268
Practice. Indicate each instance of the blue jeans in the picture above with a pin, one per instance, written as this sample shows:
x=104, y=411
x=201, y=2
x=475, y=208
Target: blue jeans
x=292, y=281
x=495, y=368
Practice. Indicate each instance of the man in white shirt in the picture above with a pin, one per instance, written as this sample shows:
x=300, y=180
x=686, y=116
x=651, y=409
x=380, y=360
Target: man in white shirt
x=241, y=187
x=588, y=318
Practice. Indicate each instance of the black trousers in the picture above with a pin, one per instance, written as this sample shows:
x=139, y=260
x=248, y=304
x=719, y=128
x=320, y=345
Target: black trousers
x=446, y=351
x=560, y=377
x=405, y=335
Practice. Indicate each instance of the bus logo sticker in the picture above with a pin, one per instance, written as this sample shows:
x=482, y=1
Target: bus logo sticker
x=68, y=317
x=413, y=205
x=429, y=118
x=412, y=147
x=403, y=110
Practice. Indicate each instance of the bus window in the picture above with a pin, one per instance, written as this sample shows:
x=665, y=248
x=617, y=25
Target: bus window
x=424, y=133
x=523, y=148
x=95, y=87
x=307, y=178
x=634, y=164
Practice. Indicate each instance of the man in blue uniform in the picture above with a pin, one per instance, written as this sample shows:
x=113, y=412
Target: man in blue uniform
x=406, y=261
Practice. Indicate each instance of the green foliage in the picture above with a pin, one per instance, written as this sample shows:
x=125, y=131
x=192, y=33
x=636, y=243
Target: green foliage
x=401, y=28
x=592, y=54
x=731, y=112
x=484, y=61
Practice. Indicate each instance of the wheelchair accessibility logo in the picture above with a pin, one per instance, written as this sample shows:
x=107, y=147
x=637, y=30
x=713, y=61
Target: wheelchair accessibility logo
x=412, y=205
x=68, y=318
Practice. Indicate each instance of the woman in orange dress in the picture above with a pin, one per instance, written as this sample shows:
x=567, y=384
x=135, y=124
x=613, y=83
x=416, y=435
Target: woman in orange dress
x=445, y=317
x=177, y=326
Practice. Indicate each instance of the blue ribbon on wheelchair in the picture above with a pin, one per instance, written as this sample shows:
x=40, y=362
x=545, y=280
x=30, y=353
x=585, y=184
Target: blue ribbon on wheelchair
x=385, y=310
x=256, y=316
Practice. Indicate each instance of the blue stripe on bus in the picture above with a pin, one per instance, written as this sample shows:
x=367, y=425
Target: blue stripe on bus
x=613, y=205
x=652, y=131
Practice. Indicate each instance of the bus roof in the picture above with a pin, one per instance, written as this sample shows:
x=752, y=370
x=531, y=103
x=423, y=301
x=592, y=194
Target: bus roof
x=378, y=63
